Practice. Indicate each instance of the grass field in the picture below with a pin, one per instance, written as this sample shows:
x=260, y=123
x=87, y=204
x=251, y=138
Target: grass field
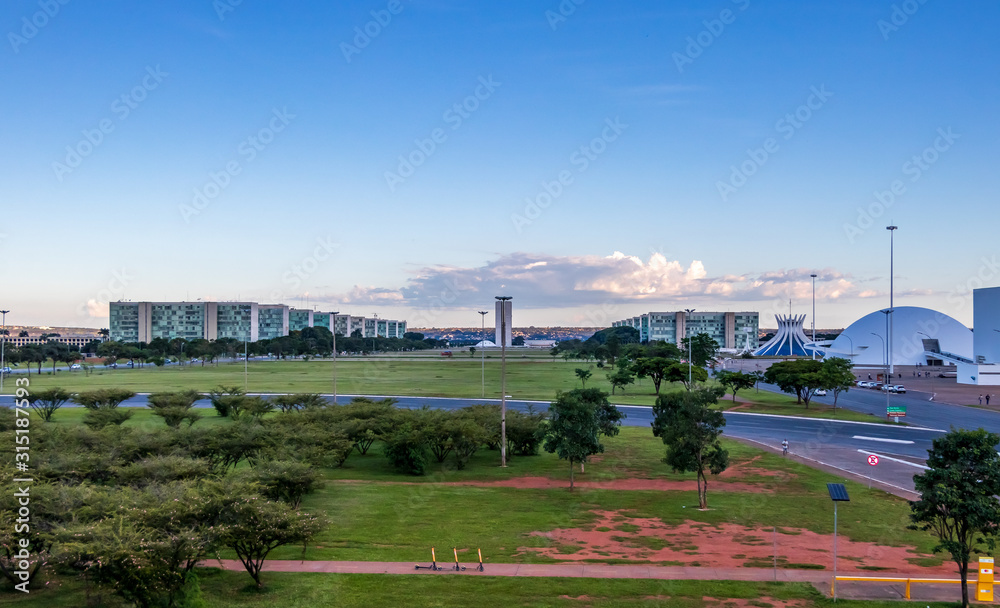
x=380, y=515
x=530, y=378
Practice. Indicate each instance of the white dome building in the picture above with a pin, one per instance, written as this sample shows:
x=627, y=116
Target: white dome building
x=919, y=335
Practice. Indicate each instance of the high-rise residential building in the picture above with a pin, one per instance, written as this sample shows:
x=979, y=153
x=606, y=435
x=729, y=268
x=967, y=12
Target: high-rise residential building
x=731, y=330
x=250, y=321
x=504, y=312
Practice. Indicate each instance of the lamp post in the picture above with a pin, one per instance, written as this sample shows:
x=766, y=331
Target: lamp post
x=889, y=335
x=688, y=311
x=334, y=315
x=503, y=378
x=852, y=347
x=482, y=350
x=3, y=344
x=813, y=349
x=885, y=385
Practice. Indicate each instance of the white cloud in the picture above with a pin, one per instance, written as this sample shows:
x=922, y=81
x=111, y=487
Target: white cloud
x=547, y=281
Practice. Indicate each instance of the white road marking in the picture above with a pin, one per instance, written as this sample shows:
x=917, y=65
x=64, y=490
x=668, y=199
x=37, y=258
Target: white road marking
x=881, y=457
x=881, y=439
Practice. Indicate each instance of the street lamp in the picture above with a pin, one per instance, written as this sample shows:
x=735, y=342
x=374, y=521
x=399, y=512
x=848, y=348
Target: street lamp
x=852, y=347
x=482, y=350
x=889, y=335
x=334, y=315
x=503, y=378
x=814, y=317
x=885, y=385
x=3, y=343
x=688, y=311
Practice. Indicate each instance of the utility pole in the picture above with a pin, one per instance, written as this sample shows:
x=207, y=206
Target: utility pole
x=813, y=349
x=334, y=314
x=503, y=378
x=892, y=231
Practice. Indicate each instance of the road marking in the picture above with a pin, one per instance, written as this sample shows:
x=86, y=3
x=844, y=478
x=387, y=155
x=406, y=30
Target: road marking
x=904, y=441
x=878, y=424
x=912, y=464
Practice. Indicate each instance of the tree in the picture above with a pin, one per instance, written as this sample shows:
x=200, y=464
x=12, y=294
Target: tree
x=958, y=493
x=45, y=403
x=836, y=374
x=691, y=430
x=252, y=527
x=800, y=377
x=105, y=333
x=680, y=372
x=299, y=401
x=654, y=368
x=577, y=420
x=472, y=351
x=703, y=348
x=735, y=381
x=218, y=398
x=583, y=375
x=175, y=408
x=105, y=398
x=517, y=341
x=620, y=378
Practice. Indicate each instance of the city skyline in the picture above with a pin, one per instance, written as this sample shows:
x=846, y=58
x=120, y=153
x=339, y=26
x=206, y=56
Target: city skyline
x=417, y=158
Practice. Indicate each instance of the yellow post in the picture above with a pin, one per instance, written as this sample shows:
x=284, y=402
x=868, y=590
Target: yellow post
x=984, y=586
x=433, y=558
x=907, y=588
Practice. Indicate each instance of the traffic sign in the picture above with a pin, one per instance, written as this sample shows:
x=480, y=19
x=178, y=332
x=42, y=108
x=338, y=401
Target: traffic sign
x=895, y=410
x=873, y=460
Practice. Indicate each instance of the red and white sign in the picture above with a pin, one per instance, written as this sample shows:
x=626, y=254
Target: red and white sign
x=873, y=460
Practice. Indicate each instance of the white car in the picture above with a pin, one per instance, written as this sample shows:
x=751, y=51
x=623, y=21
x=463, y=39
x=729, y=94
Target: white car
x=75, y=366
x=820, y=392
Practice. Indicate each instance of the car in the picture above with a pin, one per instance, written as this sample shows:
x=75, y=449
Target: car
x=820, y=392
x=862, y=383
x=5, y=370
x=899, y=388
x=75, y=366
x=875, y=385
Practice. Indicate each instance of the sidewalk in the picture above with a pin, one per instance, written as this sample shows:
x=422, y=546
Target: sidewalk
x=818, y=578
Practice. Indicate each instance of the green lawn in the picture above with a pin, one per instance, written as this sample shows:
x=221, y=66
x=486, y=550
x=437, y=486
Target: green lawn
x=529, y=378
x=229, y=590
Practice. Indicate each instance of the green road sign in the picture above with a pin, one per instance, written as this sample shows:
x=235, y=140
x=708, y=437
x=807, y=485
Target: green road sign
x=895, y=410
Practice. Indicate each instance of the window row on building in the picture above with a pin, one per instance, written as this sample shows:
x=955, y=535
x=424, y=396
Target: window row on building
x=250, y=321
x=730, y=330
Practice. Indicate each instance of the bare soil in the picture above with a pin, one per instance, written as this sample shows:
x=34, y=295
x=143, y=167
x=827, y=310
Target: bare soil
x=619, y=536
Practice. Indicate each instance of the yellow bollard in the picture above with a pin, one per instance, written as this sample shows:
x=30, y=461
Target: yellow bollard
x=984, y=586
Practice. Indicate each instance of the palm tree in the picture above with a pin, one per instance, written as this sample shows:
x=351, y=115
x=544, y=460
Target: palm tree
x=105, y=334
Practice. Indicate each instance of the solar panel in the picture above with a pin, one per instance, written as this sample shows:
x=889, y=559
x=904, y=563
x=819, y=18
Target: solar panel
x=837, y=492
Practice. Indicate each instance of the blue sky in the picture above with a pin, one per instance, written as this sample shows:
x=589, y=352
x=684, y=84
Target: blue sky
x=595, y=160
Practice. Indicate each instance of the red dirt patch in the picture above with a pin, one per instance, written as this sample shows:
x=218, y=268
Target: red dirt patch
x=743, y=469
x=616, y=536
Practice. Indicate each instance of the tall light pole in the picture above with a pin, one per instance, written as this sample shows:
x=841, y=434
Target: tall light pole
x=885, y=385
x=890, y=336
x=3, y=343
x=482, y=349
x=503, y=378
x=813, y=349
x=688, y=311
x=335, y=356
